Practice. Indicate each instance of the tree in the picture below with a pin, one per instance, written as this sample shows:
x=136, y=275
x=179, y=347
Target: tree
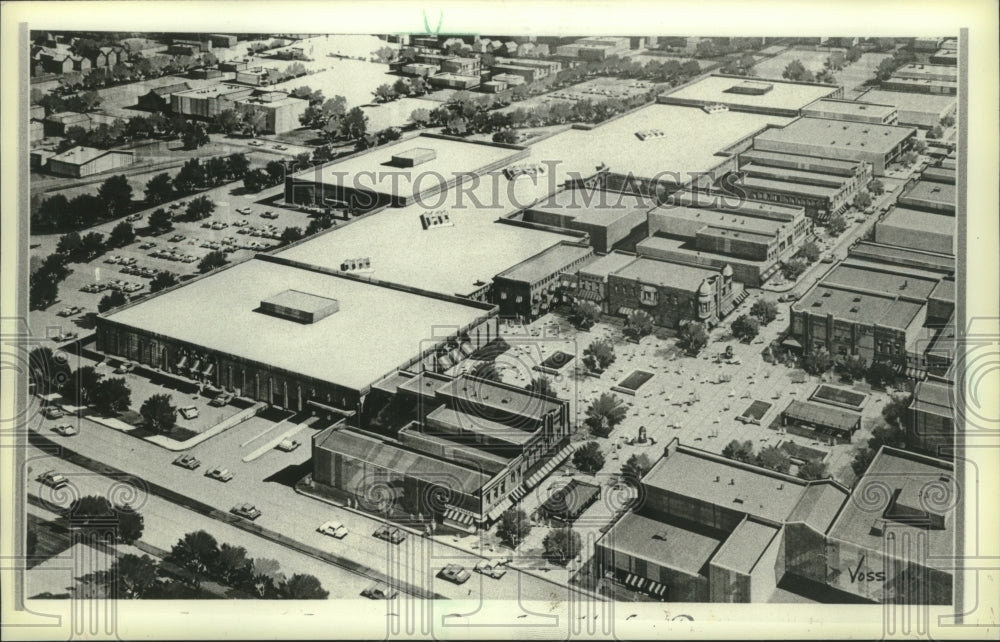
x=354, y=124
x=774, y=458
x=91, y=245
x=764, y=311
x=561, y=545
x=457, y=126
x=162, y=281
x=585, y=314
x=838, y=224
x=121, y=235
x=159, y=189
x=948, y=121
x=589, y=458
x=159, y=412
x=817, y=361
x=897, y=411
x=197, y=552
x=604, y=413
x=919, y=146
x=810, y=252
x=69, y=245
x=161, y=220
x=636, y=467
x=420, y=118
x=212, y=260
x=319, y=223
x=216, y=170
x=513, y=526
x=79, y=388
x=227, y=121
x=739, y=451
x=238, y=164
x=111, y=396
x=935, y=133
x=795, y=70
x=639, y=324
x=291, y=234
x=253, y=122
x=322, y=154
x=133, y=577
x=111, y=300
x=47, y=370
x=541, y=386
x=882, y=435
x=116, y=193
x=190, y=177
x=880, y=374
x=908, y=158
x=599, y=354
x=303, y=587
x=234, y=567
x=385, y=93
x=42, y=292
x=256, y=180
x=194, y=136
x=793, y=268
x=486, y=370
x=862, y=200
x=692, y=337
x=266, y=578
x=130, y=524
x=813, y=469
x=745, y=328
x=200, y=207
x=852, y=366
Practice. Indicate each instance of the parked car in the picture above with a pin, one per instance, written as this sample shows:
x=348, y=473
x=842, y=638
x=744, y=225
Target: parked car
x=125, y=367
x=220, y=474
x=248, y=511
x=333, y=529
x=113, y=259
x=827, y=259
x=492, y=568
x=380, y=591
x=52, y=479
x=280, y=147
x=221, y=399
x=244, y=210
x=393, y=535
x=288, y=445
x=269, y=214
x=67, y=430
x=53, y=412
x=455, y=573
x=188, y=461
x=791, y=296
x=69, y=336
x=189, y=412
x=256, y=143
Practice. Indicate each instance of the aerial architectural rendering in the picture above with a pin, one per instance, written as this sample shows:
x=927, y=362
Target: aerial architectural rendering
x=623, y=319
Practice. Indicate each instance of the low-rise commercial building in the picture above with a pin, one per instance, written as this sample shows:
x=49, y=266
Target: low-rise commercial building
x=673, y=292
x=257, y=76
x=609, y=218
x=158, y=98
x=855, y=111
x=878, y=145
x=78, y=162
x=932, y=429
x=530, y=288
x=281, y=111
x=879, y=311
x=939, y=197
x=208, y=102
x=737, y=93
x=188, y=332
x=918, y=230
x=927, y=72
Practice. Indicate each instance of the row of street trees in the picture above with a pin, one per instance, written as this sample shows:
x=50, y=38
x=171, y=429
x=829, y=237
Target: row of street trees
x=746, y=326
x=56, y=213
x=772, y=458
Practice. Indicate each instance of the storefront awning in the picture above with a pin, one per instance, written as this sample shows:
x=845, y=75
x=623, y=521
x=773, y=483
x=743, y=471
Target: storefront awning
x=499, y=509
x=467, y=349
x=791, y=343
x=460, y=516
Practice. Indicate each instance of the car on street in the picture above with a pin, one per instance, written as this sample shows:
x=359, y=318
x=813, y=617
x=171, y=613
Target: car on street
x=255, y=143
x=189, y=412
x=131, y=218
x=188, y=461
x=70, y=311
x=288, y=445
x=221, y=399
x=52, y=479
x=491, y=568
x=53, y=412
x=827, y=259
x=379, y=591
x=791, y=296
x=69, y=336
x=125, y=367
x=389, y=534
x=455, y=573
x=248, y=511
x=219, y=474
x=333, y=529
x=67, y=430
x=280, y=147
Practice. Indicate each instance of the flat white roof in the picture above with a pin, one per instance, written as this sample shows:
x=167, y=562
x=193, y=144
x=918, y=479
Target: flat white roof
x=376, y=329
x=782, y=95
